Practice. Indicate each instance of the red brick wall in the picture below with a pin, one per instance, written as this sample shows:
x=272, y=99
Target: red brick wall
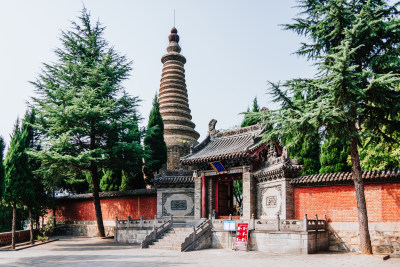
x=339, y=202
x=20, y=236
x=83, y=210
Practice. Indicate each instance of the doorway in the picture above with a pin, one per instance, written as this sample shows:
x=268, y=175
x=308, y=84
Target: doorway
x=225, y=200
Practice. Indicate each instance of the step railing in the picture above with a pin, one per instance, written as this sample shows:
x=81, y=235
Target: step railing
x=197, y=233
x=157, y=232
x=140, y=223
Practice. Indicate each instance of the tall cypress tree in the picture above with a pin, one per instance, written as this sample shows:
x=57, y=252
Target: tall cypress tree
x=356, y=45
x=132, y=177
x=2, y=147
x=84, y=113
x=18, y=186
x=250, y=120
x=334, y=155
x=36, y=201
x=154, y=140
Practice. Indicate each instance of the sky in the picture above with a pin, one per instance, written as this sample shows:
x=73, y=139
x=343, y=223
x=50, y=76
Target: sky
x=233, y=48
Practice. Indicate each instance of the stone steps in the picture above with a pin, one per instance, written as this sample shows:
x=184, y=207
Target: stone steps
x=173, y=239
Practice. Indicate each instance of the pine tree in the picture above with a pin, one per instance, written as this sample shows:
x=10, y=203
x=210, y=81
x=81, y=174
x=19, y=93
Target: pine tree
x=18, y=187
x=85, y=115
x=250, y=120
x=354, y=93
x=154, y=140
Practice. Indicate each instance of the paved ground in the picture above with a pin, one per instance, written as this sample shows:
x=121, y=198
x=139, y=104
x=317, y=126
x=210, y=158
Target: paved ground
x=74, y=252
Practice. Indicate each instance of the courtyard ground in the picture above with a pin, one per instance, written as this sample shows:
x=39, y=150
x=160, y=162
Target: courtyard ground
x=73, y=251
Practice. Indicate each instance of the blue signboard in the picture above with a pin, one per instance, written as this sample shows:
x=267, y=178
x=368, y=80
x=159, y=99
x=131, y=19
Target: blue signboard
x=229, y=225
x=218, y=167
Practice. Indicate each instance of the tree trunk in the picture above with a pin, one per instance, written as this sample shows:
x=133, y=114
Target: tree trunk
x=14, y=225
x=32, y=237
x=96, y=200
x=54, y=216
x=365, y=240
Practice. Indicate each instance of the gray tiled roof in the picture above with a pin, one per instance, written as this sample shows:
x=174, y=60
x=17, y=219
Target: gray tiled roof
x=112, y=194
x=224, y=145
x=178, y=178
x=346, y=178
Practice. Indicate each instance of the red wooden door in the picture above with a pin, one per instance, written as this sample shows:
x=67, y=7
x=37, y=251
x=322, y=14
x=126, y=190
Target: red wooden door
x=224, y=198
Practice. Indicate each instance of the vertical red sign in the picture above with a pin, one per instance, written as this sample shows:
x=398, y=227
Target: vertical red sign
x=241, y=233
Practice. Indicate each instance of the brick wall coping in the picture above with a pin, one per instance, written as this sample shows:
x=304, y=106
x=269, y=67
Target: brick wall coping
x=111, y=194
x=346, y=178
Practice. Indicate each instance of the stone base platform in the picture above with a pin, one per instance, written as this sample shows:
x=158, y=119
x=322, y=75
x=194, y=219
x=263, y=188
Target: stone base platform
x=276, y=242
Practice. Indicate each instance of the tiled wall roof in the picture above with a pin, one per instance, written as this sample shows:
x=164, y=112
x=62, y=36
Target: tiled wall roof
x=346, y=178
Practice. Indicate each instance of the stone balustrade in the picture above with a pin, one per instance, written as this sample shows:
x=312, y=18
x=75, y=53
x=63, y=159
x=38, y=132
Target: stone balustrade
x=277, y=224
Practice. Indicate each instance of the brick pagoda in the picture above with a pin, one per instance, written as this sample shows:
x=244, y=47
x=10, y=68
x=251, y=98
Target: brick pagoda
x=179, y=132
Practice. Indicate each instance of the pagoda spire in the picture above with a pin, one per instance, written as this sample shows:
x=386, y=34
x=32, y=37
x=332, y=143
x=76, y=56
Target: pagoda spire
x=179, y=132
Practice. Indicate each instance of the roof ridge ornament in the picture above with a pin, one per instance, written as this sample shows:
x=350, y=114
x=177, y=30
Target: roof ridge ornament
x=211, y=128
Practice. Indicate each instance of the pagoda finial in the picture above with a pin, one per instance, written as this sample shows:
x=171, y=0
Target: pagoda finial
x=174, y=37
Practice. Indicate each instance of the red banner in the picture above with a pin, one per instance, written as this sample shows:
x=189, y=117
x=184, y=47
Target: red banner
x=241, y=233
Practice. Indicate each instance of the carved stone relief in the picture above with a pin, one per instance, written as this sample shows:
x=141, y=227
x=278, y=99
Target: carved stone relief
x=271, y=201
x=178, y=204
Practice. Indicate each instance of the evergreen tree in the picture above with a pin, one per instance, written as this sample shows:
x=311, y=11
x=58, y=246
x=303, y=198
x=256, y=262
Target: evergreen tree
x=110, y=181
x=334, y=155
x=355, y=43
x=85, y=115
x=154, y=140
x=18, y=186
x=304, y=143
x=36, y=202
x=251, y=120
x=2, y=147
x=132, y=176
x=381, y=155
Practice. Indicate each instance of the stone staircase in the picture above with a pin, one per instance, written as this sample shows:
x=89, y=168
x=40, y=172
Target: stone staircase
x=172, y=239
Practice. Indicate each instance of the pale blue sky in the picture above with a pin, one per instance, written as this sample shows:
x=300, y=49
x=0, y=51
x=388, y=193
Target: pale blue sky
x=232, y=49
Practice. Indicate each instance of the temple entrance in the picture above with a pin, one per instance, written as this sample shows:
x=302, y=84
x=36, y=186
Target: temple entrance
x=228, y=195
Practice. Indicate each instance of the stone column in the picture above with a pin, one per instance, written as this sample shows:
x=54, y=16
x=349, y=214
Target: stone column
x=248, y=195
x=203, y=197
x=197, y=196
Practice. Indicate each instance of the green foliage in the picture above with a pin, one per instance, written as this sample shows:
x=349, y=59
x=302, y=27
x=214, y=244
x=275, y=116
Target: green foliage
x=238, y=191
x=47, y=229
x=18, y=186
x=334, y=155
x=87, y=120
x=38, y=200
x=132, y=176
x=154, y=140
x=308, y=156
x=110, y=181
x=6, y=217
x=42, y=238
x=353, y=96
x=250, y=120
x=380, y=155
x=21, y=186
x=2, y=171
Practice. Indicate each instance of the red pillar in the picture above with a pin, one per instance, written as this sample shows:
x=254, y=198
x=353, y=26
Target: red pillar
x=203, y=196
